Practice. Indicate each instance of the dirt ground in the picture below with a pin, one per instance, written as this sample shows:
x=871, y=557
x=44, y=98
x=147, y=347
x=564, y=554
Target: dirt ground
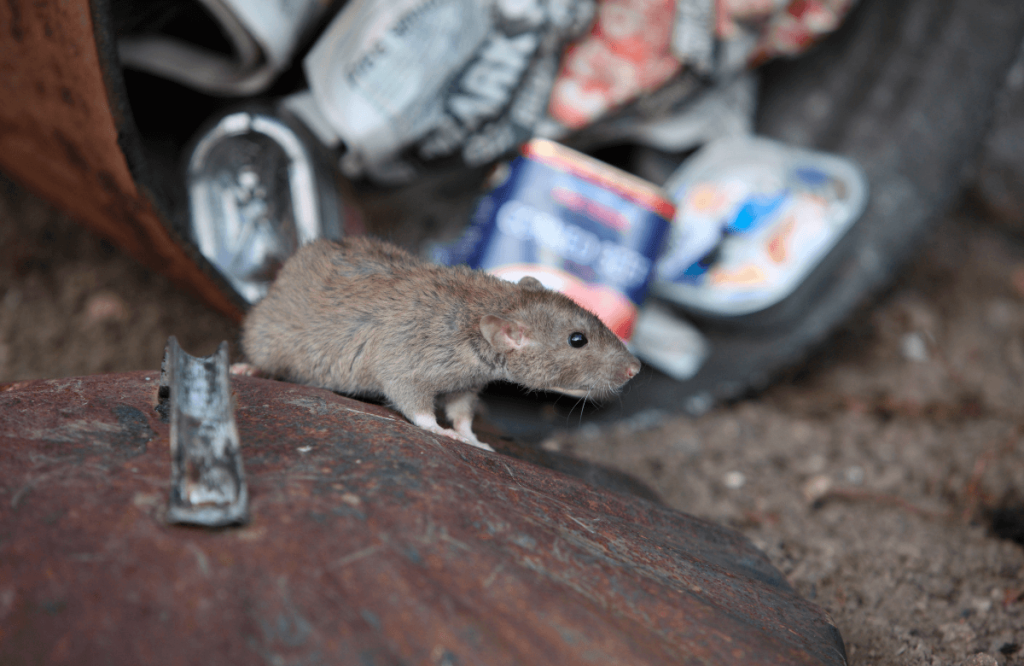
x=885, y=479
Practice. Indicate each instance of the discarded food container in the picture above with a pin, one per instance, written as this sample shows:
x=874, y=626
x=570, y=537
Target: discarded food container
x=256, y=193
x=754, y=218
x=578, y=225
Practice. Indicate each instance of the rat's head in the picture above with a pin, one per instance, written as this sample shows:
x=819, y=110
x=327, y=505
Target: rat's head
x=550, y=343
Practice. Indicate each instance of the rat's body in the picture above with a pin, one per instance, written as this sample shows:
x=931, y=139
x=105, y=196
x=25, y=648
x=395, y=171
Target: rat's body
x=364, y=317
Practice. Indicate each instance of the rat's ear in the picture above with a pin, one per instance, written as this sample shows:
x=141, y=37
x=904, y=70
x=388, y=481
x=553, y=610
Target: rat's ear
x=504, y=334
x=530, y=283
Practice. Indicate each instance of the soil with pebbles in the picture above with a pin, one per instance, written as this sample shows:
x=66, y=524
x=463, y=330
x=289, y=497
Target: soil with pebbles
x=885, y=479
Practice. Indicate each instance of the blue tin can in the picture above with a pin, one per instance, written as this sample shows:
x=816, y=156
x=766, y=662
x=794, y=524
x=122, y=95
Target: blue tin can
x=580, y=226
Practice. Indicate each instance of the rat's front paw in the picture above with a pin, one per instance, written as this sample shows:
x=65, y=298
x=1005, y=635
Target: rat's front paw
x=245, y=370
x=464, y=433
x=474, y=442
x=428, y=422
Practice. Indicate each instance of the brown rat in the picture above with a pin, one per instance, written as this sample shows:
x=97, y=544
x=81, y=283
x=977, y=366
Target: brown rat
x=364, y=317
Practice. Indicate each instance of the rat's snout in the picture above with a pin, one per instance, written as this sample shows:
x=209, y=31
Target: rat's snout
x=629, y=371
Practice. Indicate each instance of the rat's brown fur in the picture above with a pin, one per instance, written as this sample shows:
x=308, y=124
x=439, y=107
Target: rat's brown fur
x=364, y=317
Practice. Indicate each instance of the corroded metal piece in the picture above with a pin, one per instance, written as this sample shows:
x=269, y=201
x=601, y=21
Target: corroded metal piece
x=374, y=542
x=67, y=134
x=207, y=479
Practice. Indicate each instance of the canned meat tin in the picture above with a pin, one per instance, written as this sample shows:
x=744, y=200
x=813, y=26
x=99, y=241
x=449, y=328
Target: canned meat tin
x=580, y=226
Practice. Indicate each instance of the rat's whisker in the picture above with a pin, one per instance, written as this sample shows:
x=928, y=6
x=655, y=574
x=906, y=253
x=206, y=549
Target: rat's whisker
x=583, y=400
x=584, y=406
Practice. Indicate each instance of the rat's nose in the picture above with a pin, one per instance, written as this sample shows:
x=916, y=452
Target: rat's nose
x=630, y=370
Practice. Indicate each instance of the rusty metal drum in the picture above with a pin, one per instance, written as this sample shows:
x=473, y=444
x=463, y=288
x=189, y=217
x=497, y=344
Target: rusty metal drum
x=370, y=541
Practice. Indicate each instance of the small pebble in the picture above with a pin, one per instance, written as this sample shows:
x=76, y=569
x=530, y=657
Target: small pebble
x=854, y=475
x=698, y=405
x=817, y=487
x=1017, y=280
x=686, y=444
x=305, y=449
x=814, y=464
x=734, y=480
x=999, y=314
x=12, y=299
x=956, y=632
x=105, y=306
x=552, y=444
x=913, y=348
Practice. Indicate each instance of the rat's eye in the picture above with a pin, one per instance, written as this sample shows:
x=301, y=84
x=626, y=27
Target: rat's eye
x=577, y=339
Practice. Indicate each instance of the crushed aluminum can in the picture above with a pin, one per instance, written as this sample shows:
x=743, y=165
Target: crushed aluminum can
x=263, y=36
x=207, y=478
x=580, y=226
x=754, y=217
x=257, y=191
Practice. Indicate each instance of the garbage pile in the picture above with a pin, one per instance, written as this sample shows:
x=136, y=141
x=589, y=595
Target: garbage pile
x=396, y=90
